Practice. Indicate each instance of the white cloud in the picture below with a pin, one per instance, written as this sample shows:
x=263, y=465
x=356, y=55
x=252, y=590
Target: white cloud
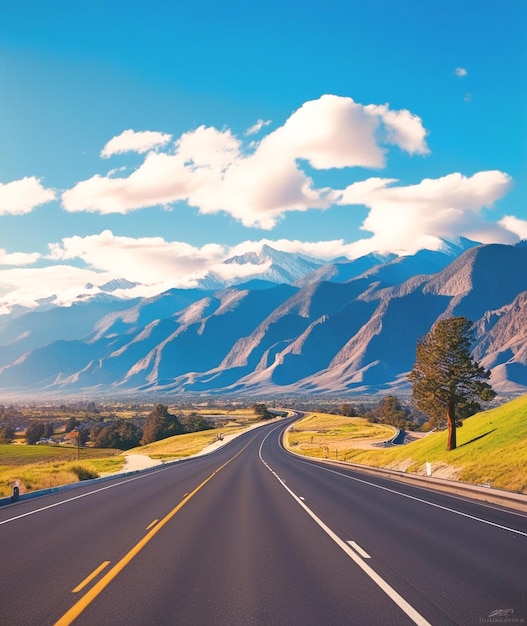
x=25, y=286
x=460, y=72
x=132, y=141
x=337, y=132
x=402, y=128
x=146, y=260
x=329, y=249
x=18, y=258
x=209, y=148
x=22, y=196
x=515, y=225
x=256, y=128
x=405, y=219
x=257, y=184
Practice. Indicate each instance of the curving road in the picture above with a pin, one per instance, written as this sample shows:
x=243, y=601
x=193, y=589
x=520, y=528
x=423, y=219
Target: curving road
x=253, y=535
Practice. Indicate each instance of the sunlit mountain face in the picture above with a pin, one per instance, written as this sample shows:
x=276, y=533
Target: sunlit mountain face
x=303, y=327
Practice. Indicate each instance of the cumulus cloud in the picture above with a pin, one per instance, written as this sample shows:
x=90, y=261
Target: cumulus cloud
x=132, y=141
x=515, y=225
x=405, y=219
x=460, y=72
x=336, y=132
x=402, y=128
x=257, y=183
x=25, y=286
x=328, y=249
x=22, y=196
x=143, y=259
x=18, y=258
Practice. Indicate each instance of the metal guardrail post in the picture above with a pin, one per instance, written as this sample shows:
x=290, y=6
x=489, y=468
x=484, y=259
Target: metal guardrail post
x=16, y=494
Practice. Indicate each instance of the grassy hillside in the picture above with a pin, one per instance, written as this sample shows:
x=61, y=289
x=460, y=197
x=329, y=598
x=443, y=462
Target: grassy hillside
x=492, y=449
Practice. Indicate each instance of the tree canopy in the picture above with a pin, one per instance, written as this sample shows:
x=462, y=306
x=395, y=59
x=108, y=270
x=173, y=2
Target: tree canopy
x=447, y=382
x=194, y=422
x=38, y=430
x=7, y=433
x=390, y=411
x=160, y=424
x=262, y=410
x=121, y=434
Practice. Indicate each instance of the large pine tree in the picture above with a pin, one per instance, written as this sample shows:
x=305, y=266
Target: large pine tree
x=447, y=382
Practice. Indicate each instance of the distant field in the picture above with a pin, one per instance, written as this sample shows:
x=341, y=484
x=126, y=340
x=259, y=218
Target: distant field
x=324, y=435
x=492, y=449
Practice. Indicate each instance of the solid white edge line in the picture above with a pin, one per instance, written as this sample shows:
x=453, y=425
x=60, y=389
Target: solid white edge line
x=407, y=608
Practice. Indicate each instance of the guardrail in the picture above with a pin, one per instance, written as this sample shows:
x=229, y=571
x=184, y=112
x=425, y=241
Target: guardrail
x=509, y=499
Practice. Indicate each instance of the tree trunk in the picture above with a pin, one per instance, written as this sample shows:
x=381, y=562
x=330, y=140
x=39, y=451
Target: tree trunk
x=451, y=419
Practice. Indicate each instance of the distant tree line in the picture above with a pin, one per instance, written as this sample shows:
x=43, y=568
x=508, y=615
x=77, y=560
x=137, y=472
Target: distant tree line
x=113, y=432
x=389, y=410
x=160, y=424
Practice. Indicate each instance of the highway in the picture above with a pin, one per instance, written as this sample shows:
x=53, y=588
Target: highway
x=252, y=535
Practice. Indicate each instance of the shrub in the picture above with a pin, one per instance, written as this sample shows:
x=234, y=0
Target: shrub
x=84, y=473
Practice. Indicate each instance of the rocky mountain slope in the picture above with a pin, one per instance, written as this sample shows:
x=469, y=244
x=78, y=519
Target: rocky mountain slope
x=343, y=327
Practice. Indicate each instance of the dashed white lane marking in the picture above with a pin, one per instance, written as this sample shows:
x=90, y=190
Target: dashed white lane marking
x=358, y=549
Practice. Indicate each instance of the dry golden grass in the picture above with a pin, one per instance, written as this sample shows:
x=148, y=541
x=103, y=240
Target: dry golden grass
x=182, y=446
x=44, y=475
x=324, y=435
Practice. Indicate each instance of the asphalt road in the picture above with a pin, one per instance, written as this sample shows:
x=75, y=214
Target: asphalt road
x=253, y=535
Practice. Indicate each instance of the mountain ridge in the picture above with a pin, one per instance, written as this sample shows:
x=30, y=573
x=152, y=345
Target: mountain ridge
x=350, y=336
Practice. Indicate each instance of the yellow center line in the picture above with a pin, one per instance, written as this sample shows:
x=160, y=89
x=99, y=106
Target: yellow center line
x=89, y=578
x=153, y=523
x=90, y=595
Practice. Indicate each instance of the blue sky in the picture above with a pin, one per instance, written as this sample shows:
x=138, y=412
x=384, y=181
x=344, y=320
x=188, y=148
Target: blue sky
x=153, y=140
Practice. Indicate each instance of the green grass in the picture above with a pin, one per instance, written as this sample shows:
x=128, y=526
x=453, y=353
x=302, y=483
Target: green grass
x=492, y=449
x=41, y=467
x=15, y=454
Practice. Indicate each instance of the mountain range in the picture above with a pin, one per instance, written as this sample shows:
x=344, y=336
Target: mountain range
x=305, y=327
